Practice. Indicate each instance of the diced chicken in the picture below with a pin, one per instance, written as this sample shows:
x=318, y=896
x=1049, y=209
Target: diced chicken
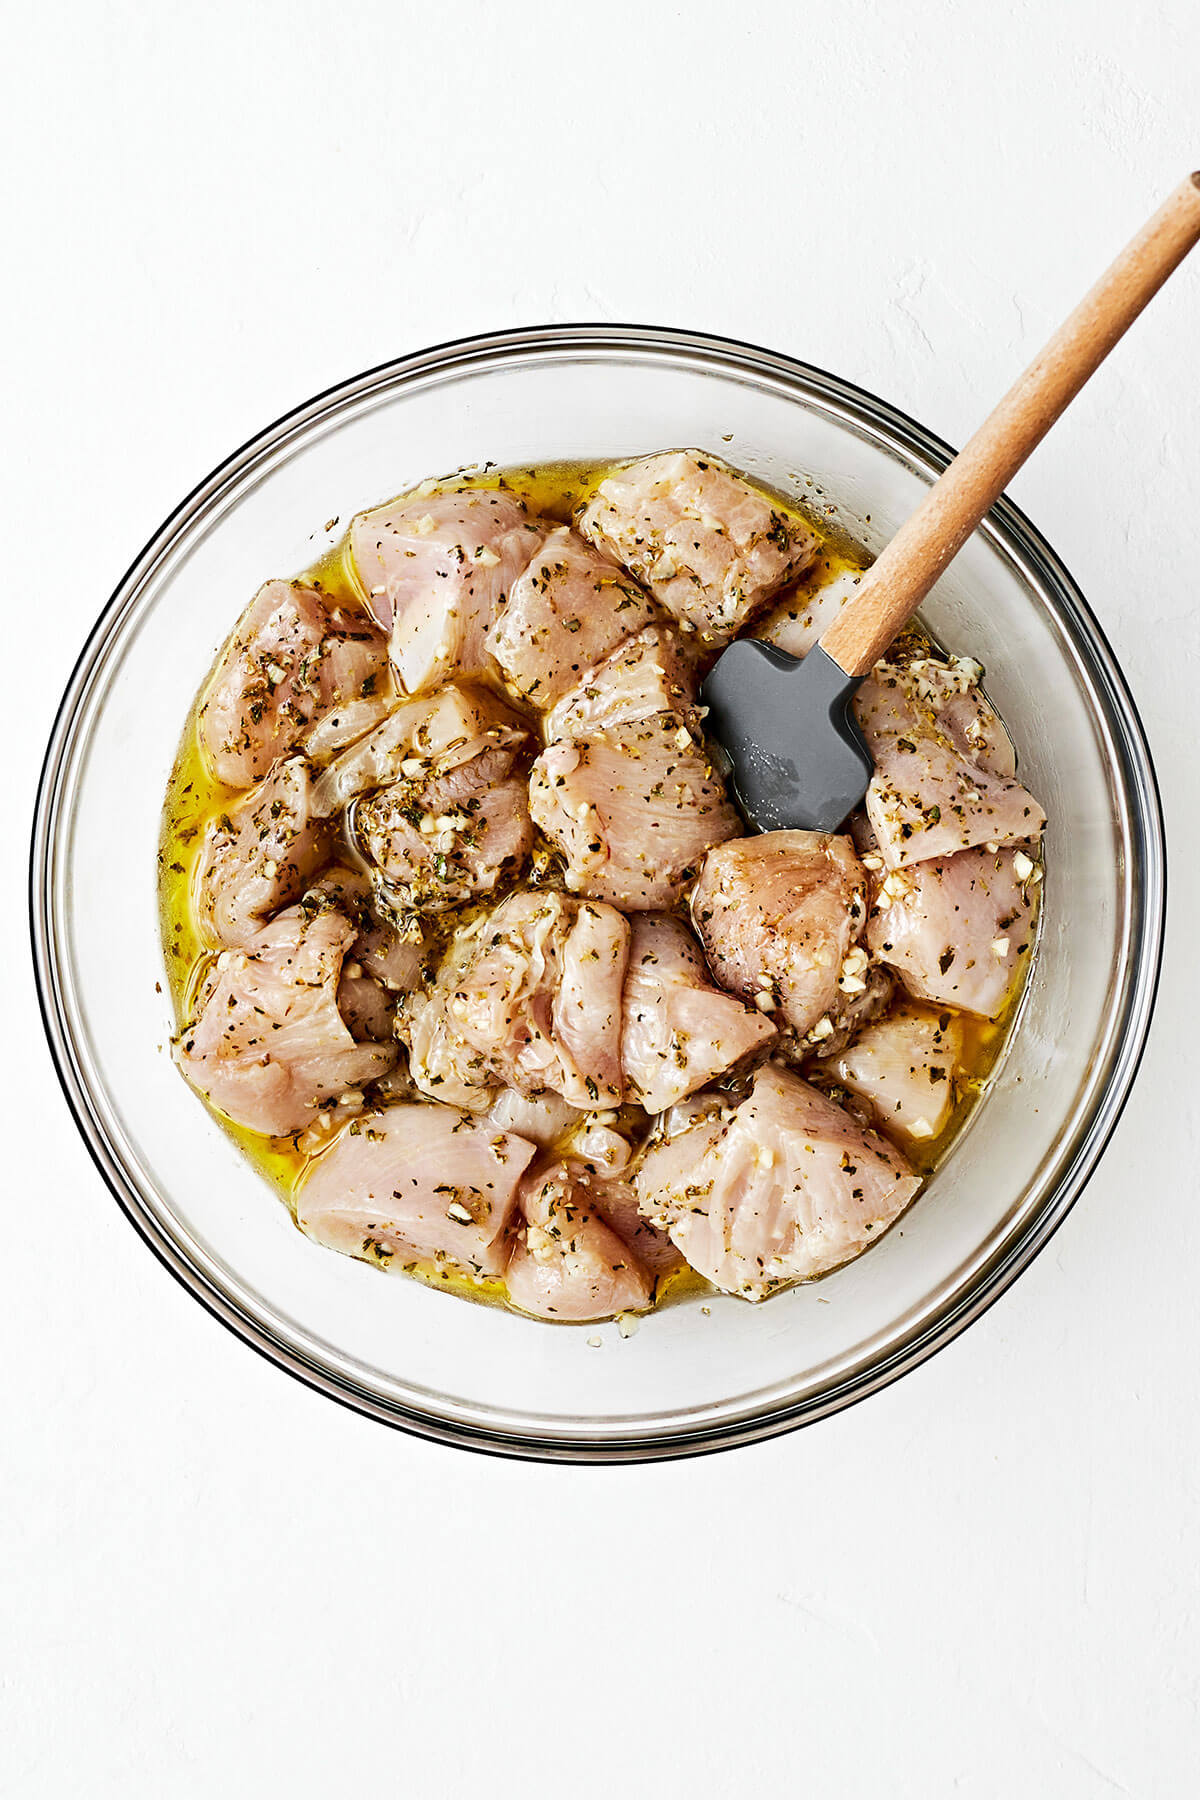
x=710, y=547
x=781, y=1188
x=564, y=613
x=633, y=811
x=291, y=660
x=423, y=740
x=780, y=917
x=528, y=997
x=849, y=1014
x=648, y=674
x=545, y=1119
x=798, y=619
x=602, y=1144
x=443, y=1062
x=379, y=963
x=391, y=954
x=418, y=1183
x=959, y=928
x=267, y=1044
x=931, y=795
x=975, y=729
x=434, y=849
x=904, y=1067
x=367, y=1007
x=567, y=1264
x=445, y=823
x=434, y=568
x=344, y=724
x=616, y=1202
x=679, y=1032
x=258, y=855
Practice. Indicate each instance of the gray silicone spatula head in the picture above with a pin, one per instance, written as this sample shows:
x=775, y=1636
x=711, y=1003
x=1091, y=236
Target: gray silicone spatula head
x=798, y=756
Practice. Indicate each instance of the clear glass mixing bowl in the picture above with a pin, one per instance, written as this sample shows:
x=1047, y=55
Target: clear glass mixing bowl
x=689, y=1380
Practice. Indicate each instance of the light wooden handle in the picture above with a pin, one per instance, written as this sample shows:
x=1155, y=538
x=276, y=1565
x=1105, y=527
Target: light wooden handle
x=903, y=574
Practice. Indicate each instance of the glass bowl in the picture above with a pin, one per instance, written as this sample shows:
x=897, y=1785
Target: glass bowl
x=691, y=1378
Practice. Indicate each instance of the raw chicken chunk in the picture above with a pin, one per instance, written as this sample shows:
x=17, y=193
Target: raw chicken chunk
x=567, y=1263
x=267, y=1045
x=291, y=660
x=776, y=1190
x=434, y=568
x=258, y=855
x=849, y=1014
x=616, y=1202
x=545, y=1119
x=937, y=786
x=705, y=543
x=958, y=929
x=385, y=959
x=417, y=1184
x=391, y=954
x=446, y=822
x=607, y=1141
x=367, y=1007
x=633, y=811
x=904, y=1067
x=530, y=998
x=780, y=916
x=798, y=619
x=647, y=674
x=564, y=613
x=679, y=1032
x=434, y=848
x=423, y=740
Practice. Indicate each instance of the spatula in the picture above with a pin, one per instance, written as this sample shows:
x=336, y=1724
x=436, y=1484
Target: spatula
x=798, y=756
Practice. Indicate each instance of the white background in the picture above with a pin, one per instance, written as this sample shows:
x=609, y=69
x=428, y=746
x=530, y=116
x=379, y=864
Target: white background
x=983, y=1582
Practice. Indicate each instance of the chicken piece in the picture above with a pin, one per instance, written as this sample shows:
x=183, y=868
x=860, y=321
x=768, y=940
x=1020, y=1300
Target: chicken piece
x=616, y=1202
x=434, y=568
x=258, y=855
x=647, y=674
x=798, y=619
x=528, y=997
x=564, y=613
x=545, y=1119
x=291, y=660
x=423, y=740
x=633, y=811
x=392, y=954
x=780, y=916
x=709, y=546
x=433, y=848
x=607, y=1141
x=849, y=1015
x=344, y=724
x=367, y=1007
x=267, y=1045
x=379, y=964
x=443, y=1063
x=417, y=1183
x=904, y=1067
x=679, y=1032
x=567, y=1263
x=938, y=751
x=776, y=1190
x=958, y=929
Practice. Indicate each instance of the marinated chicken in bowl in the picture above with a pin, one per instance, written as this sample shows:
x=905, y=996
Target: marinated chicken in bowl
x=473, y=953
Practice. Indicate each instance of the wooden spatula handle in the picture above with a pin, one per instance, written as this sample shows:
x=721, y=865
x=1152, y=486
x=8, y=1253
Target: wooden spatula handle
x=903, y=574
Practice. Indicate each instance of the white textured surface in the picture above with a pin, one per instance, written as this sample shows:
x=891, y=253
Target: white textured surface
x=983, y=1582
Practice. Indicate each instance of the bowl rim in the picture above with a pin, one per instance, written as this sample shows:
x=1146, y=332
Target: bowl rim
x=1135, y=775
